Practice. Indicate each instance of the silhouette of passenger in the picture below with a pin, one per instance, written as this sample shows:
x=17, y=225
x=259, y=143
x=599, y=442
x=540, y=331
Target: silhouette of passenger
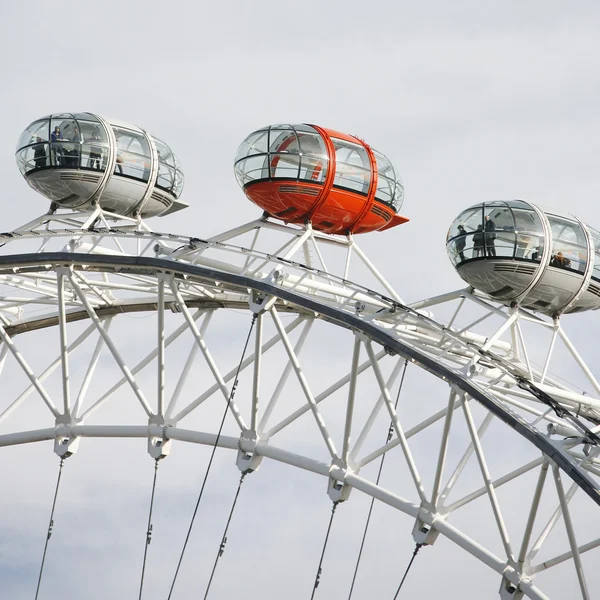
x=72, y=159
x=95, y=159
x=490, y=236
x=560, y=261
x=478, y=242
x=461, y=242
x=39, y=153
x=57, y=149
x=119, y=163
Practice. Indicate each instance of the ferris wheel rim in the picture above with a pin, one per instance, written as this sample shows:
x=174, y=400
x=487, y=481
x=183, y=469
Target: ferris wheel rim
x=331, y=314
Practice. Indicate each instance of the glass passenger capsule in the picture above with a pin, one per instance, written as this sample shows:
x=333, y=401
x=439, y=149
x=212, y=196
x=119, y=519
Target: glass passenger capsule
x=516, y=253
x=300, y=173
x=78, y=160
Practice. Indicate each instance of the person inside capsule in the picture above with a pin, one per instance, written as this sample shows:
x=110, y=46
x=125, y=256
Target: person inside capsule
x=95, y=156
x=57, y=150
x=39, y=153
x=496, y=230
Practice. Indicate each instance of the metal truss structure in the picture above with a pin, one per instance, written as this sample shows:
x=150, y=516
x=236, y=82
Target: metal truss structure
x=75, y=277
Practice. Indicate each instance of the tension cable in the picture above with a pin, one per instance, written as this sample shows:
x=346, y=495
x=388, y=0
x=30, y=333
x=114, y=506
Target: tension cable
x=320, y=569
x=368, y=521
x=149, y=528
x=417, y=548
x=50, y=526
x=224, y=538
x=212, y=455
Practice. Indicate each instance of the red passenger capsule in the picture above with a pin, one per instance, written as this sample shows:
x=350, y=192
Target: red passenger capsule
x=300, y=173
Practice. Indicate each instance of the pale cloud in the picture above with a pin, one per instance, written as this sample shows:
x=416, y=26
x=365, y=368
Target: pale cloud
x=472, y=100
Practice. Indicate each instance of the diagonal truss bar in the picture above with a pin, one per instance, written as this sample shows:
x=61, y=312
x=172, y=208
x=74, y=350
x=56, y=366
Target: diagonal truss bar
x=284, y=377
x=304, y=384
x=351, y=397
x=143, y=363
x=552, y=562
x=231, y=374
x=85, y=384
x=111, y=346
x=365, y=260
x=533, y=513
x=571, y=533
x=322, y=396
x=30, y=375
x=488, y=482
x=465, y=457
x=409, y=433
x=3, y=355
x=496, y=483
x=47, y=372
x=396, y=422
x=183, y=377
x=368, y=426
x=549, y=354
x=443, y=447
x=207, y=356
x=567, y=342
x=550, y=525
x=64, y=354
x=519, y=331
x=256, y=375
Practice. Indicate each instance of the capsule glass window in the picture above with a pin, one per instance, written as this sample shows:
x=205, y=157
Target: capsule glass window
x=469, y=219
x=529, y=231
x=596, y=240
x=569, y=246
x=65, y=142
x=398, y=198
x=133, y=154
x=498, y=230
x=178, y=187
x=252, y=169
x=255, y=143
x=284, y=154
x=386, y=180
x=165, y=179
x=33, y=157
x=33, y=149
x=314, y=161
x=94, y=149
x=38, y=129
x=353, y=168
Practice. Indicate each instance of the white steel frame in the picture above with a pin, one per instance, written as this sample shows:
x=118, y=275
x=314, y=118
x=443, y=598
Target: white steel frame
x=79, y=271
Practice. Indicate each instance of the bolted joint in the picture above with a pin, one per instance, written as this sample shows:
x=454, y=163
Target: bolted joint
x=158, y=444
x=247, y=460
x=424, y=532
x=66, y=446
x=337, y=489
x=259, y=303
x=509, y=591
x=65, y=443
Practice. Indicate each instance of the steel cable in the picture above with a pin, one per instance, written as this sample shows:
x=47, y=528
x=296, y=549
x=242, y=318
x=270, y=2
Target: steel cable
x=224, y=538
x=148, y=529
x=368, y=521
x=320, y=569
x=417, y=548
x=212, y=455
x=50, y=527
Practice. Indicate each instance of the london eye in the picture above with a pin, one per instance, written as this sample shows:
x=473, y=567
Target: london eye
x=471, y=418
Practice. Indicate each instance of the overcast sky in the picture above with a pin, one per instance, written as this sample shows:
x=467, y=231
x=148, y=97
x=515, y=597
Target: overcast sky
x=471, y=100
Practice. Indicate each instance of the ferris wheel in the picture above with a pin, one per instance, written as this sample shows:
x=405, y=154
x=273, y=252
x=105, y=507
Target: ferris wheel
x=281, y=339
